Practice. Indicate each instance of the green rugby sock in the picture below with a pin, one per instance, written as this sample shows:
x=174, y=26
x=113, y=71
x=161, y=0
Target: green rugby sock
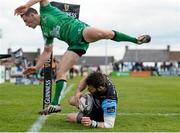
x=118, y=37
x=60, y=86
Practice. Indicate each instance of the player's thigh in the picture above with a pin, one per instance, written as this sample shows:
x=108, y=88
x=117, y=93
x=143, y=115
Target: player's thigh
x=67, y=61
x=92, y=34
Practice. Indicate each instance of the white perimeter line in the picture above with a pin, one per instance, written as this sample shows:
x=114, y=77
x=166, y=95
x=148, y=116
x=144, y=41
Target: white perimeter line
x=37, y=125
x=149, y=114
x=140, y=114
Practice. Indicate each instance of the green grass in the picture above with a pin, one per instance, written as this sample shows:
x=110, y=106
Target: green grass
x=141, y=98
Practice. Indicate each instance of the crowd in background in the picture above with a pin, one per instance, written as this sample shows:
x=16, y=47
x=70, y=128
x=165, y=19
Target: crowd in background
x=160, y=68
x=13, y=71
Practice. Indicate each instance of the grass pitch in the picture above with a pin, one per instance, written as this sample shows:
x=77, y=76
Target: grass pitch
x=144, y=105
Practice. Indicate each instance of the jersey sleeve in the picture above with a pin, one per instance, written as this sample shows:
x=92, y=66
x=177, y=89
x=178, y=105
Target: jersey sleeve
x=109, y=107
x=48, y=40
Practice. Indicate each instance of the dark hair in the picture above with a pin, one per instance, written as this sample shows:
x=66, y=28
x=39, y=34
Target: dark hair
x=29, y=11
x=96, y=79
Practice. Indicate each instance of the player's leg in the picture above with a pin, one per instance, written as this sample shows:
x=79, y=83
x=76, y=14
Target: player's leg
x=92, y=34
x=69, y=59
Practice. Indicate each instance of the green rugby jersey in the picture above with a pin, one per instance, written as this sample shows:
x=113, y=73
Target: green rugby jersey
x=57, y=24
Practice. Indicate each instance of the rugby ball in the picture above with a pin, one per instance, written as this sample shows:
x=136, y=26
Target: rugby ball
x=86, y=103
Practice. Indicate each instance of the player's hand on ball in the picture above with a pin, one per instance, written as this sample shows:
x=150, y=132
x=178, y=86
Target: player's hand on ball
x=20, y=10
x=86, y=121
x=29, y=70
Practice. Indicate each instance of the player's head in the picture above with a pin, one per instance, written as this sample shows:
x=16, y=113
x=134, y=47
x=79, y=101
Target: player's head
x=31, y=18
x=96, y=82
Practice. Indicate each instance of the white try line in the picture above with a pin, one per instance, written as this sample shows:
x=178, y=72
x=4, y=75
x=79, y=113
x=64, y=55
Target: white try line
x=149, y=114
x=37, y=125
x=138, y=114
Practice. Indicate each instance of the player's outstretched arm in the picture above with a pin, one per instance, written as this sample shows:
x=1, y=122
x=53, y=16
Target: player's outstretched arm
x=44, y=56
x=108, y=123
x=86, y=121
x=81, y=86
x=42, y=59
x=22, y=9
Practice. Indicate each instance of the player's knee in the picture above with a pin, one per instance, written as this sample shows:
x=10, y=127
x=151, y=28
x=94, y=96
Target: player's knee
x=71, y=117
x=104, y=35
x=72, y=101
x=61, y=75
x=109, y=34
x=101, y=35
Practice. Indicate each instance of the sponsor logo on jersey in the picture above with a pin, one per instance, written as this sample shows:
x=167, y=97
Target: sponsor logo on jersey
x=111, y=109
x=44, y=19
x=55, y=32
